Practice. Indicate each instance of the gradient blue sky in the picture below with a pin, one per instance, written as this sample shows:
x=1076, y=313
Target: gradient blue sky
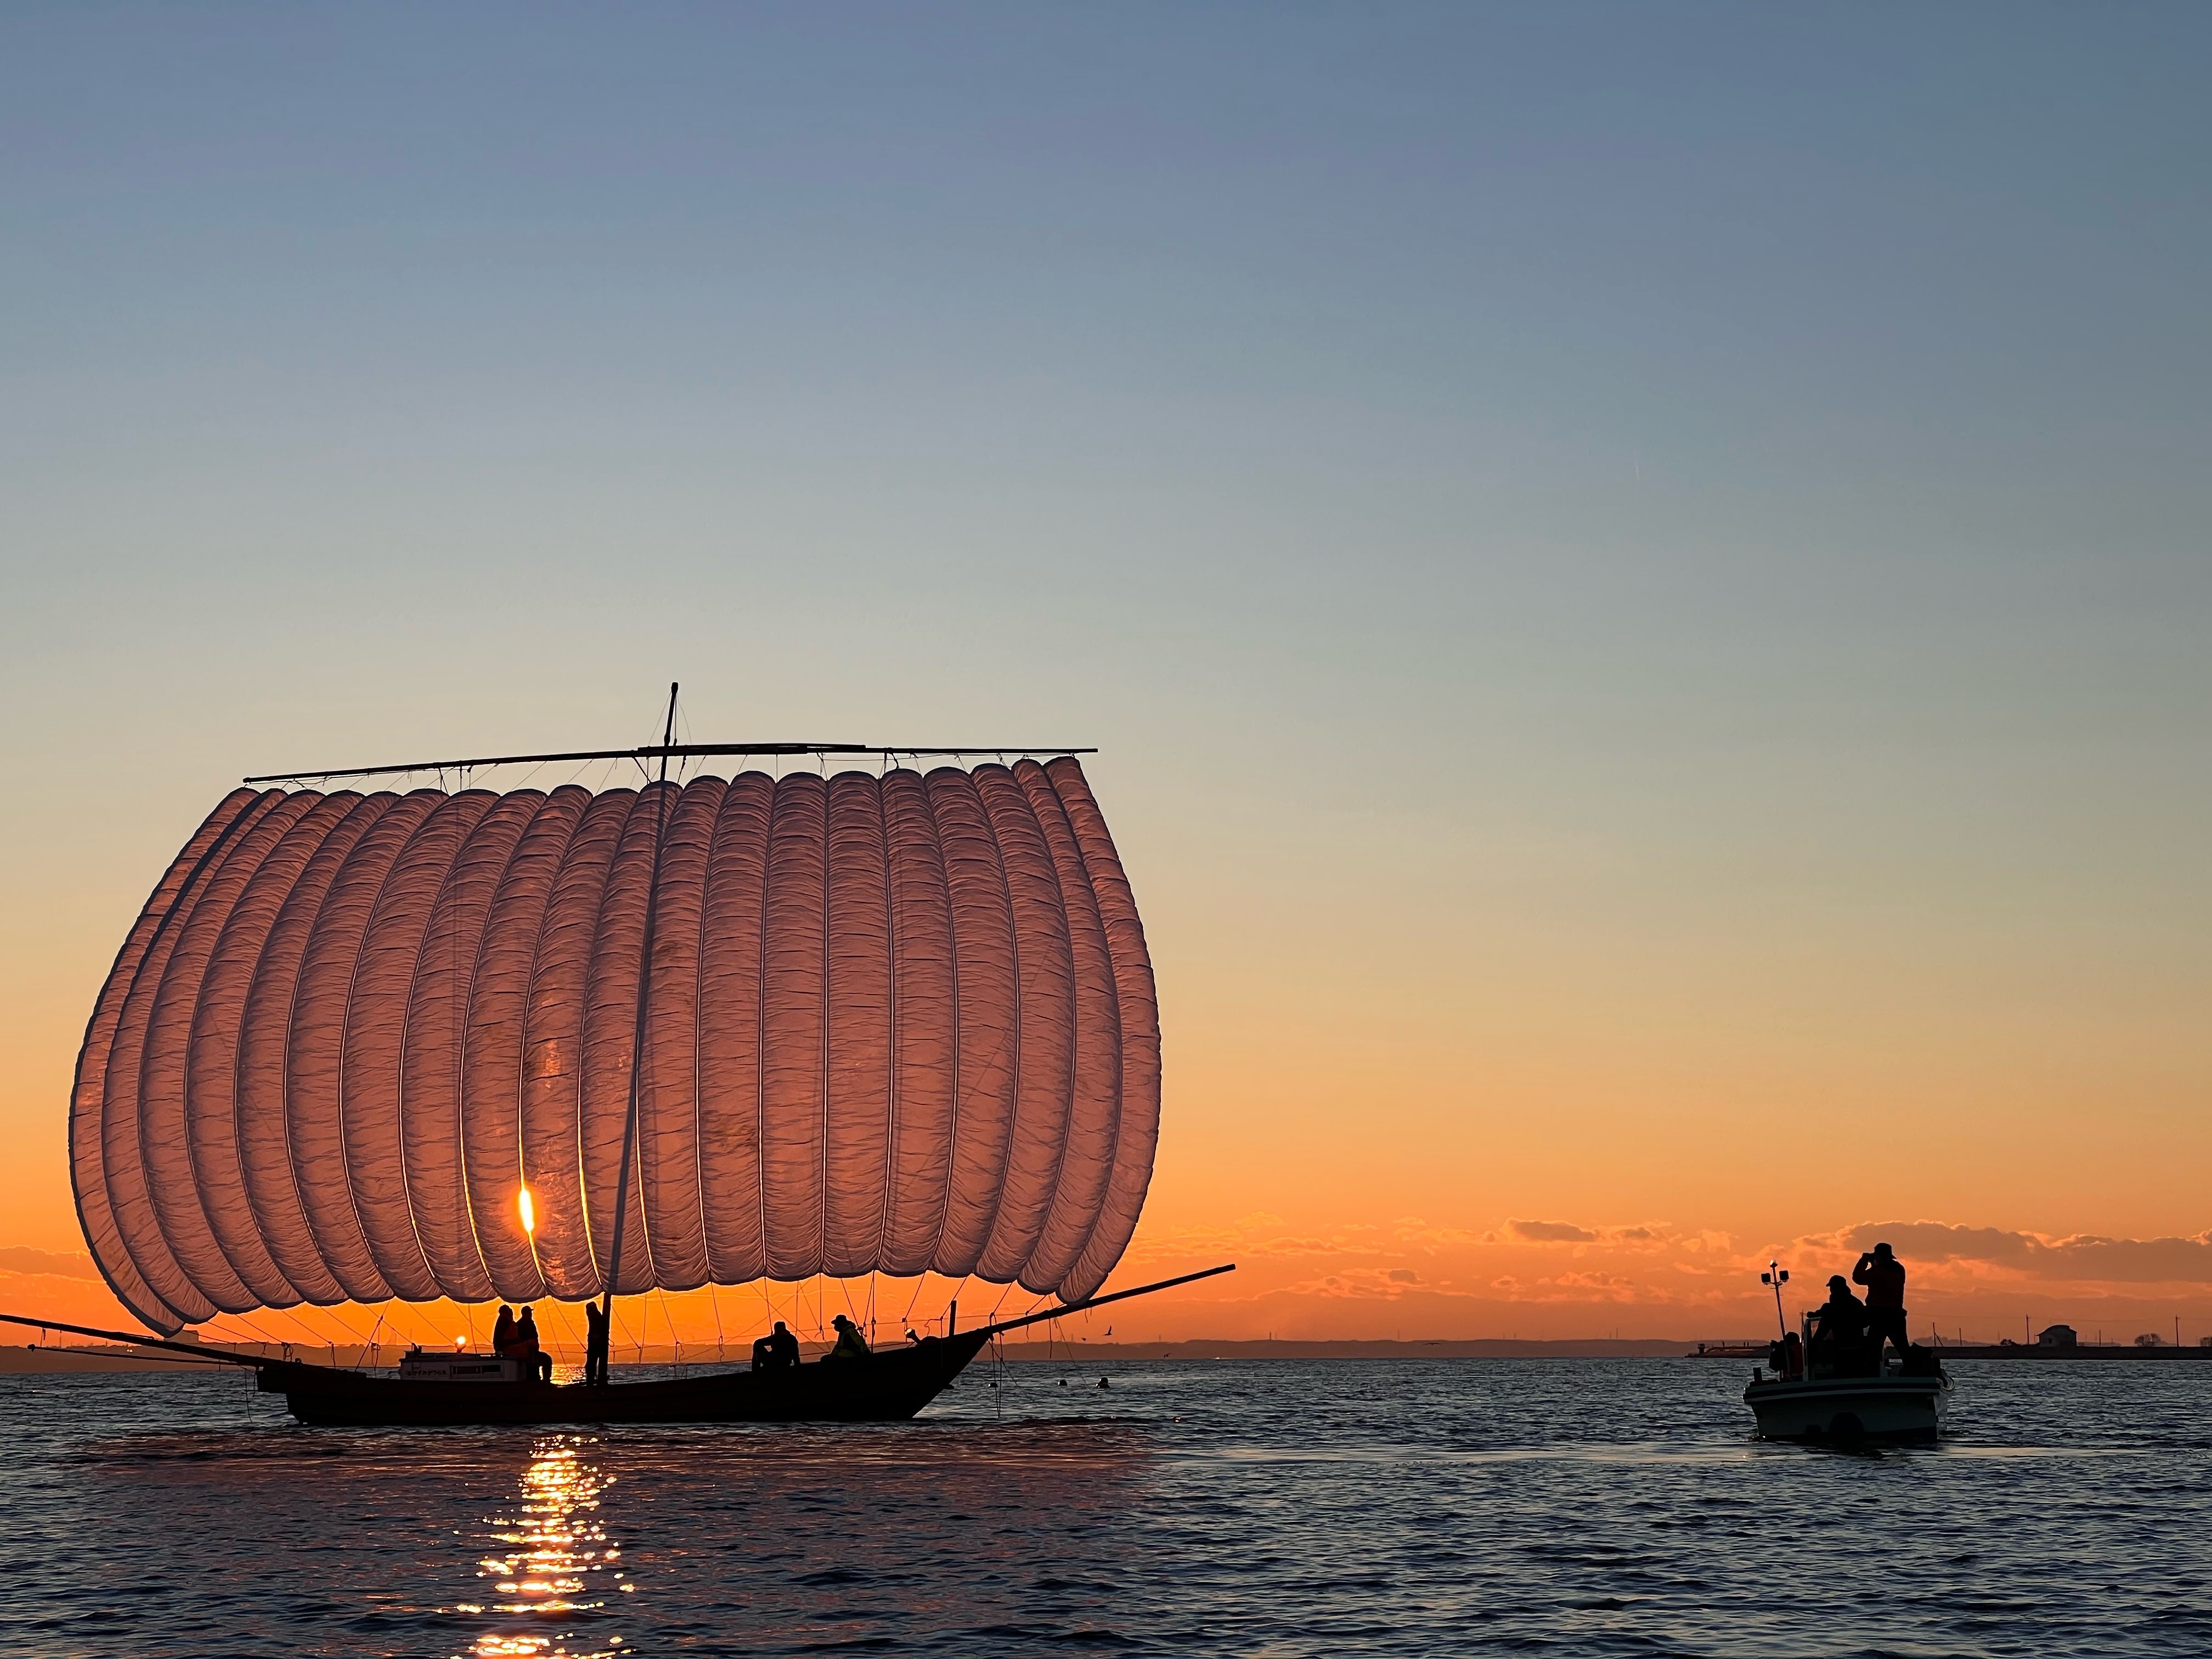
x=1641, y=571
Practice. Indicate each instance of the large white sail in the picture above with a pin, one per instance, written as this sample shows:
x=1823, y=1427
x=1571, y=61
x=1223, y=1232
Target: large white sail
x=901, y=1023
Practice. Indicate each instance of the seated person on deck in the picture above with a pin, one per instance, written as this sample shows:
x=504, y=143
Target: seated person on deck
x=1838, y=1345
x=849, y=1343
x=535, y=1362
x=777, y=1350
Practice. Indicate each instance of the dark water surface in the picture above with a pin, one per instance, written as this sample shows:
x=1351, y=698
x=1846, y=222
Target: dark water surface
x=1260, y=1508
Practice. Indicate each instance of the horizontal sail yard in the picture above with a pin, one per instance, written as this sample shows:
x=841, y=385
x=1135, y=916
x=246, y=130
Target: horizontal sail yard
x=903, y=1024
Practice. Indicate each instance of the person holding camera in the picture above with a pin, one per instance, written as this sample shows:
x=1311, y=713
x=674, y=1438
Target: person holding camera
x=1883, y=1275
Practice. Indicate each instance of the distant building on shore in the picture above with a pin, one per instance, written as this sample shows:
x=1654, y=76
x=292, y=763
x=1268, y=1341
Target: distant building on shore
x=2057, y=1336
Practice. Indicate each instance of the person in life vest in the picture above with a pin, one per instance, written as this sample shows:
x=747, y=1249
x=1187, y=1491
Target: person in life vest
x=1883, y=1275
x=850, y=1344
x=502, y=1333
x=595, y=1343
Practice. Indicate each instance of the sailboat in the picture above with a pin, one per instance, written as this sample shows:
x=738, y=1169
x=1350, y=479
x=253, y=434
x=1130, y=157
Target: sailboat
x=569, y=1044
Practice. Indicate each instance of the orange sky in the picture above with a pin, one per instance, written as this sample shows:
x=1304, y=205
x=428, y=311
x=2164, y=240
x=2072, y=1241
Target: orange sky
x=1429, y=1105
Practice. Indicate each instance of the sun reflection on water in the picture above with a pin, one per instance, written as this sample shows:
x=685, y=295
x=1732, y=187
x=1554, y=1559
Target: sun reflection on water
x=551, y=1565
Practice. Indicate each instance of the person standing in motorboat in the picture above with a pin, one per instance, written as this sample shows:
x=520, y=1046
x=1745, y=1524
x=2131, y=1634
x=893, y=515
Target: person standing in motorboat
x=1883, y=1275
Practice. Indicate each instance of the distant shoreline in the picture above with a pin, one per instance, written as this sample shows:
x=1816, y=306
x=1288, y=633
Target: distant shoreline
x=109, y=1358
x=45, y=1360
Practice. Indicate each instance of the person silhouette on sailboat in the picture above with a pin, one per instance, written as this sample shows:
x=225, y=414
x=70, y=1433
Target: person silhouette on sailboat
x=595, y=1343
x=535, y=1362
x=777, y=1351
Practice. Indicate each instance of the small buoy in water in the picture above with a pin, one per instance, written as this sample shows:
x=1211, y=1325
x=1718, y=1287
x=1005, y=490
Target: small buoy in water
x=1102, y=1382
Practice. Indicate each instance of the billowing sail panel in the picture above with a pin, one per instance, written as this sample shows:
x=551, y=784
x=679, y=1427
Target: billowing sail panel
x=901, y=1023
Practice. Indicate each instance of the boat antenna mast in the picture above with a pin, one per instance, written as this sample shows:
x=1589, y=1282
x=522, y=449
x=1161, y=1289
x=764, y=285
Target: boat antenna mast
x=636, y=1052
x=1776, y=1275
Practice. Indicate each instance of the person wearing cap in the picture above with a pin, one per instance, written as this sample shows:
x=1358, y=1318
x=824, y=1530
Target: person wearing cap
x=1883, y=1275
x=851, y=1345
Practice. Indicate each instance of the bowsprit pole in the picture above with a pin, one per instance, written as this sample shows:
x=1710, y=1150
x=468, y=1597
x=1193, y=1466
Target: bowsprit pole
x=637, y=1040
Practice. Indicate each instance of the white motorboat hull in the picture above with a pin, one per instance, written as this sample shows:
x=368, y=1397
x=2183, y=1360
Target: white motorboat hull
x=1852, y=1410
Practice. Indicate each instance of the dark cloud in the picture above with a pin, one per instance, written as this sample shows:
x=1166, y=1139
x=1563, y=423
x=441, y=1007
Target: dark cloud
x=1405, y=1276
x=2083, y=1257
x=1551, y=1232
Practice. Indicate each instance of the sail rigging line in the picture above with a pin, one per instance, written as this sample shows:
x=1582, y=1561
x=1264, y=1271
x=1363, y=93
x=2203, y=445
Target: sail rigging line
x=566, y=1324
x=644, y=998
x=907, y=1318
x=669, y=1318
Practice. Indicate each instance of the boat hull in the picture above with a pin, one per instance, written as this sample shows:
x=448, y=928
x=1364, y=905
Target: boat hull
x=1854, y=1410
x=886, y=1388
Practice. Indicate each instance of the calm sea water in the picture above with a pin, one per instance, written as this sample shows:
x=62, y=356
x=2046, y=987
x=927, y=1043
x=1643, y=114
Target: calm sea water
x=1269, y=1508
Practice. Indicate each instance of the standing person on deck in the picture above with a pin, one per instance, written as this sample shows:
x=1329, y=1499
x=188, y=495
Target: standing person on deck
x=595, y=1343
x=502, y=1333
x=1883, y=1275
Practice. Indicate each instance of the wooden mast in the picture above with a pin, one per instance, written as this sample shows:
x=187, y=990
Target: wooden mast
x=637, y=1036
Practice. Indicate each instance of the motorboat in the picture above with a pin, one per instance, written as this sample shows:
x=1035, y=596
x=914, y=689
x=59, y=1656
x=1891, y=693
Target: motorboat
x=1844, y=1400
x=1891, y=1409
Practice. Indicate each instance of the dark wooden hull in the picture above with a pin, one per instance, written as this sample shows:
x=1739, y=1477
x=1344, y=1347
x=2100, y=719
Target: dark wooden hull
x=888, y=1387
